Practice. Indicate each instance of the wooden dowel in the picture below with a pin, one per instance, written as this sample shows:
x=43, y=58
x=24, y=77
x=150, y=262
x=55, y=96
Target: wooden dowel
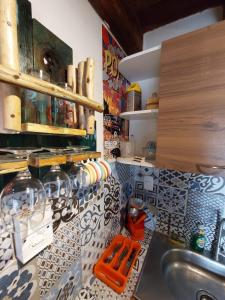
x=80, y=81
x=9, y=53
x=10, y=76
x=9, y=57
x=89, y=92
x=71, y=79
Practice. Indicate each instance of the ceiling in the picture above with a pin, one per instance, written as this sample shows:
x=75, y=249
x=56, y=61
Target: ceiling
x=130, y=19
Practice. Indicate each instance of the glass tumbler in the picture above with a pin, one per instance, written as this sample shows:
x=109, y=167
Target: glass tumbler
x=36, y=107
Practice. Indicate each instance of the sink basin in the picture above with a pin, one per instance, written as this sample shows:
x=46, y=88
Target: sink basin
x=191, y=276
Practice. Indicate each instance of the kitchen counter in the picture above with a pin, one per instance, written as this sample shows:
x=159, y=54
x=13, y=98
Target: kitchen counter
x=151, y=285
x=96, y=290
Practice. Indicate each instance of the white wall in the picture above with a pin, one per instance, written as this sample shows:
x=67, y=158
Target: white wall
x=191, y=23
x=78, y=25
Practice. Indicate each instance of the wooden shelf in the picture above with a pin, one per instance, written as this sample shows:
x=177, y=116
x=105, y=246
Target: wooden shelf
x=39, y=160
x=46, y=159
x=130, y=161
x=75, y=157
x=16, y=78
x=140, y=114
x=142, y=65
x=46, y=129
x=10, y=166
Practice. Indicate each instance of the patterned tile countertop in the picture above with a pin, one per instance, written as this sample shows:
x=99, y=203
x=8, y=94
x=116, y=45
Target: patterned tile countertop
x=96, y=289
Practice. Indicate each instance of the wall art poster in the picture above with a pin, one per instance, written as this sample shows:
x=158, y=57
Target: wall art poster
x=114, y=94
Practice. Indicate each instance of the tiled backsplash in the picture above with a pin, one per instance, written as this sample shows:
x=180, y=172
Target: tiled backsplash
x=80, y=235
x=183, y=200
x=98, y=213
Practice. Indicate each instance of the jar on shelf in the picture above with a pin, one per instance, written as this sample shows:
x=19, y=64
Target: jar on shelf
x=63, y=111
x=36, y=107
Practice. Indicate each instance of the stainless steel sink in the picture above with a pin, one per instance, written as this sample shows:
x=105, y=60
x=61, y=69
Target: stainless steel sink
x=191, y=276
x=171, y=272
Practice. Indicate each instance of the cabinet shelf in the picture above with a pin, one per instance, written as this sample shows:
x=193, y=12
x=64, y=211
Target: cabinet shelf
x=130, y=161
x=140, y=114
x=47, y=129
x=142, y=65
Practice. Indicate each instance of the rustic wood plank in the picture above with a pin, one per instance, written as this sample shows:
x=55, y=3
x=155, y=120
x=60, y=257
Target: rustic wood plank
x=82, y=156
x=44, y=160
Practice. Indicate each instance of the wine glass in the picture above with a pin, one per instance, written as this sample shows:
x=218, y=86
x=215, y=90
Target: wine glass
x=22, y=200
x=58, y=188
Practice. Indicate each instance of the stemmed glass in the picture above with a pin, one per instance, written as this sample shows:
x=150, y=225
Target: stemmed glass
x=23, y=202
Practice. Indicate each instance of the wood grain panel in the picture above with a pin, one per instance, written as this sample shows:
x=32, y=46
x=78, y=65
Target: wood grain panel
x=191, y=127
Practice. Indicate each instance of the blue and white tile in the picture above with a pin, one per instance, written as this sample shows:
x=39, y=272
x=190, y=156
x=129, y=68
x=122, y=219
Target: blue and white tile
x=6, y=249
x=214, y=185
x=55, y=260
x=175, y=179
x=123, y=172
x=69, y=284
x=20, y=283
x=172, y=200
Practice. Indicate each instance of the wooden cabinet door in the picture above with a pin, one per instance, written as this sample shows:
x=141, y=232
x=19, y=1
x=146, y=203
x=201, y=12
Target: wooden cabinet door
x=191, y=128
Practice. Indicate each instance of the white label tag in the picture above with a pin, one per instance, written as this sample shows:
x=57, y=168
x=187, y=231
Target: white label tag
x=148, y=183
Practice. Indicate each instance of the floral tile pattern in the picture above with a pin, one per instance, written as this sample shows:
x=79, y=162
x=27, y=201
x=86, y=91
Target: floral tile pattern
x=19, y=283
x=172, y=200
x=58, y=257
x=207, y=184
x=69, y=284
x=6, y=249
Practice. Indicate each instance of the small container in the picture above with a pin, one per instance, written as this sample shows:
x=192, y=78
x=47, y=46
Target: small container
x=133, y=97
x=198, y=239
x=149, y=151
x=63, y=110
x=36, y=107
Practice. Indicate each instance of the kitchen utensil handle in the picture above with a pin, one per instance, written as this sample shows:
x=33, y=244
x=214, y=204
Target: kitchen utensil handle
x=200, y=168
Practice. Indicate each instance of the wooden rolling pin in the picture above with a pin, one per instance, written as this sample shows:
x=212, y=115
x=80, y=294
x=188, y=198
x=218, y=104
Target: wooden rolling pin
x=89, y=92
x=80, y=83
x=10, y=104
x=71, y=80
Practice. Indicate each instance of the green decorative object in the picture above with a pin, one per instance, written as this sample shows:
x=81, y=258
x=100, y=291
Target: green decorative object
x=24, y=26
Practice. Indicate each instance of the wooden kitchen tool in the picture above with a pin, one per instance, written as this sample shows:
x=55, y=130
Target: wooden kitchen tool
x=80, y=82
x=115, y=265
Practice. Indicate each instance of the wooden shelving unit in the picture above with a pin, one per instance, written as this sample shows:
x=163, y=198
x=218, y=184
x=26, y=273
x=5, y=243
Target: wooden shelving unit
x=44, y=159
x=46, y=129
x=12, y=117
x=140, y=114
x=19, y=79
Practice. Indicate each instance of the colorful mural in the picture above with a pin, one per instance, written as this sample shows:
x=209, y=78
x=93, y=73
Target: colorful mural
x=114, y=93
